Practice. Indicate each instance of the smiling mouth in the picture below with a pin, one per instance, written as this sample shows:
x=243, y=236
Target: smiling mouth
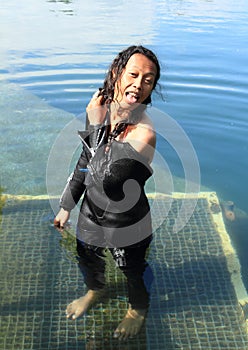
x=132, y=97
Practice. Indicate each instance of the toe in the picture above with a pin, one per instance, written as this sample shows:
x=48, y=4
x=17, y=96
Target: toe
x=116, y=334
x=122, y=335
x=69, y=314
x=69, y=311
x=76, y=314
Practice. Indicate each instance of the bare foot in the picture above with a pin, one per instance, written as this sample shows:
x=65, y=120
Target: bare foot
x=79, y=306
x=131, y=324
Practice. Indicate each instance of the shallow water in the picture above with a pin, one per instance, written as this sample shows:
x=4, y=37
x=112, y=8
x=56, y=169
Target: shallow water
x=54, y=55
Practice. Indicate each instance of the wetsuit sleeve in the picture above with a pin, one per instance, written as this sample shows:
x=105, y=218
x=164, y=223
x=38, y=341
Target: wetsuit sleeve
x=94, y=131
x=75, y=186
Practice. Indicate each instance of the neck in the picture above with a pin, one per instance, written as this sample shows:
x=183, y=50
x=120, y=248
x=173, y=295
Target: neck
x=118, y=113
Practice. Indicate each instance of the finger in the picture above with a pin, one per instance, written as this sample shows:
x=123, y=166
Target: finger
x=96, y=94
x=97, y=100
x=56, y=222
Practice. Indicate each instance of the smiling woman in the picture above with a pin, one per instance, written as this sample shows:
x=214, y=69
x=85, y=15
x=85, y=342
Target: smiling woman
x=115, y=212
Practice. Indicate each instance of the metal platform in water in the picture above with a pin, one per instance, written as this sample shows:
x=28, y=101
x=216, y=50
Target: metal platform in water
x=197, y=299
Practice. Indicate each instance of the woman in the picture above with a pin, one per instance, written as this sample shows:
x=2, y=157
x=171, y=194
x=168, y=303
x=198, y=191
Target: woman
x=112, y=170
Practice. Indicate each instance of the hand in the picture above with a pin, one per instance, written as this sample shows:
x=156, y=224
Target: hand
x=61, y=218
x=96, y=109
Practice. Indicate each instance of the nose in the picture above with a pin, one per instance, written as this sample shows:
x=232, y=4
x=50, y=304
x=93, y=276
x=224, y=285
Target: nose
x=138, y=83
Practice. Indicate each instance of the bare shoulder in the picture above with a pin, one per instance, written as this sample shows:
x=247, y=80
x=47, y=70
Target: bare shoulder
x=145, y=131
x=142, y=137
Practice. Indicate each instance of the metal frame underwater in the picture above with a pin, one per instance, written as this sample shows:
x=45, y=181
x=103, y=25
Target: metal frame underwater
x=198, y=299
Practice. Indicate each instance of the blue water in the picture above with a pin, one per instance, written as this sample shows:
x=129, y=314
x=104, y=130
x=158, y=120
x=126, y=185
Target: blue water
x=57, y=52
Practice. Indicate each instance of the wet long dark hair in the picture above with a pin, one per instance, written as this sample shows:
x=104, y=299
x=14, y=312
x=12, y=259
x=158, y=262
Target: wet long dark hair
x=119, y=63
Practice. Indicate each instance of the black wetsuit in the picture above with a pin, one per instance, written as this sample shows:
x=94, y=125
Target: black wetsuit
x=114, y=213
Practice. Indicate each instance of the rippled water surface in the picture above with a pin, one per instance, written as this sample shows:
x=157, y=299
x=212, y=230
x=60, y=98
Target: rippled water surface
x=54, y=55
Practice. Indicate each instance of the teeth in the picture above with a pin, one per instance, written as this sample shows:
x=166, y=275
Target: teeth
x=132, y=97
x=133, y=94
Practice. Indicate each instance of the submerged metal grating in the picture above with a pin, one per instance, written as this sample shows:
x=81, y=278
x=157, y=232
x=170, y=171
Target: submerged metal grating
x=194, y=302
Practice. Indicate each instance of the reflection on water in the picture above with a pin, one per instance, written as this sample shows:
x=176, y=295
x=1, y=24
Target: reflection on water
x=91, y=27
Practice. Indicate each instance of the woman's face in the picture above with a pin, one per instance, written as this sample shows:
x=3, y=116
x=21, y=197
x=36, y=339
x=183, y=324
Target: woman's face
x=136, y=81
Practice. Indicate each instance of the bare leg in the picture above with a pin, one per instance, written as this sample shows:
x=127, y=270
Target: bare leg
x=80, y=306
x=131, y=324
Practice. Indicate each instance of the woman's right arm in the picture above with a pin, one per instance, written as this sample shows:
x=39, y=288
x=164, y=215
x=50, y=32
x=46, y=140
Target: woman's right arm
x=75, y=186
x=73, y=191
